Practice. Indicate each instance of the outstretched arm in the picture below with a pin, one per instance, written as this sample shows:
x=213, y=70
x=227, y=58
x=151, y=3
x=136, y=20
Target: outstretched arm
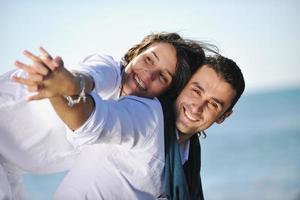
x=74, y=117
x=62, y=81
x=50, y=79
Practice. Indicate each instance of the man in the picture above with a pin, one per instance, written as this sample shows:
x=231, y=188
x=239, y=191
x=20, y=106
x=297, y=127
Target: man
x=208, y=97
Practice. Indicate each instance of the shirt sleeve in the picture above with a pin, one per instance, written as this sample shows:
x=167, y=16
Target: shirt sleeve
x=130, y=121
x=11, y=91
x=104, y=70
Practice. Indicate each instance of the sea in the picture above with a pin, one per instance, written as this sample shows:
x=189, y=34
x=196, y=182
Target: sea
x=254, y=154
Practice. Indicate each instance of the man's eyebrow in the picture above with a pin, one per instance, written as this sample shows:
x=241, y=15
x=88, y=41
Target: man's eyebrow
x=196, y=84
x=218, y=101
x=155, y=55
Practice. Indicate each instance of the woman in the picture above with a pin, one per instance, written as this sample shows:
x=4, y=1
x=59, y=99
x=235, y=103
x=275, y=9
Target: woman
x=134, y=84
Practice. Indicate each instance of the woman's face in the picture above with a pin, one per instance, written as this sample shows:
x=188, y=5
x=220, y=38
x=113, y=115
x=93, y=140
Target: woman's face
x=151, y=72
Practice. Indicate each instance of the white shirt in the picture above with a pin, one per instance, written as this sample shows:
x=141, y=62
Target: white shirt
x=127, y=155
x=11, y=187
x=5, y=190
x=128, y=158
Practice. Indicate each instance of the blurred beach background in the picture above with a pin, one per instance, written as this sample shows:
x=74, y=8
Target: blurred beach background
x=254, y=154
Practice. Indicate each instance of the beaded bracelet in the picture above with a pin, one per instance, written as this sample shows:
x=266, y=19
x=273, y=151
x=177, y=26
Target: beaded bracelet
x=71, y=101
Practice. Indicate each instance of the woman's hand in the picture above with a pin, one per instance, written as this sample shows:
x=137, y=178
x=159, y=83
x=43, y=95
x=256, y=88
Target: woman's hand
x=47, y=76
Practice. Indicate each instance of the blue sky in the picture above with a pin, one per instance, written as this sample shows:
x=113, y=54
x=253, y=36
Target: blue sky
x=262, y=37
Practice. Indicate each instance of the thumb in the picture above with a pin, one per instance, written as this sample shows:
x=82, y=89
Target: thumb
x=38, y=96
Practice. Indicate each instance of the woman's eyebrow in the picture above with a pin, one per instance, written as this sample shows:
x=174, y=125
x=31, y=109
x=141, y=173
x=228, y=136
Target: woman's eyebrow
x=156, y=56
x=170, y=74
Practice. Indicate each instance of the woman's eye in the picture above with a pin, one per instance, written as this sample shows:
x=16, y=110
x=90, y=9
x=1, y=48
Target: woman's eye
x=197, y=92
x=148, y=60
x=163, y=78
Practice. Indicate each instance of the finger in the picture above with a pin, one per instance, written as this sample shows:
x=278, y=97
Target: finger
x=47, y=59
x=22, y=81
x=40, y=68
x=36, y=77
x=45, y=53
x=51, y=64
x=36, y=68
x=34, y=97
x=31, y=56
x=37, y=97
x=24, y=67
x=33, y=88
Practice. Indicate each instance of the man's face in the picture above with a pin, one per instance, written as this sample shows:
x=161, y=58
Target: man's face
x=151, y=72
x=203, y=101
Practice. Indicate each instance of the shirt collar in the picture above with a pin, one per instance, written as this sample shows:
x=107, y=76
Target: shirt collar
x=183, y=149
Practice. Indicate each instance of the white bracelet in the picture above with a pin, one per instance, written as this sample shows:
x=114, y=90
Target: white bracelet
x=71, y=101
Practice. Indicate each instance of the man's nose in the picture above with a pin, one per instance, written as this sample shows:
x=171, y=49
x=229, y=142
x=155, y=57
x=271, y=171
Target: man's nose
x=198, y=106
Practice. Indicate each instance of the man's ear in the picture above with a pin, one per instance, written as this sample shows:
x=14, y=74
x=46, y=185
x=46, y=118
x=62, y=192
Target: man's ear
x=224, y=116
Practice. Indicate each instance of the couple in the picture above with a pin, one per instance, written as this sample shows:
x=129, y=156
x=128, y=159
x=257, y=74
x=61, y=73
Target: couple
x=129, y=149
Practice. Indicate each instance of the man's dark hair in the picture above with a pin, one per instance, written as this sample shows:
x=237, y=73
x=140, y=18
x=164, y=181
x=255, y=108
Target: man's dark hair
x=230, y=72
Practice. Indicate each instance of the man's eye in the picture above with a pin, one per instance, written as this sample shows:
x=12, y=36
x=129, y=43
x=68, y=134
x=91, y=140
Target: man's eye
x=213, y=105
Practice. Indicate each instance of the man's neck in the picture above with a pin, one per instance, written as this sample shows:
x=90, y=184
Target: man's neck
x=183, y=137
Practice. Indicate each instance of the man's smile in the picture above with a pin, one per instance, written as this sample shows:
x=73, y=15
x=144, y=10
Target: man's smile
x=189, y=115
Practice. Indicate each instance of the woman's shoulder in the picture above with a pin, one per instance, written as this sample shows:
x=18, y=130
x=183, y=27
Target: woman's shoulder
x=143, y=100
x=143, y=106
x=100, y=58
